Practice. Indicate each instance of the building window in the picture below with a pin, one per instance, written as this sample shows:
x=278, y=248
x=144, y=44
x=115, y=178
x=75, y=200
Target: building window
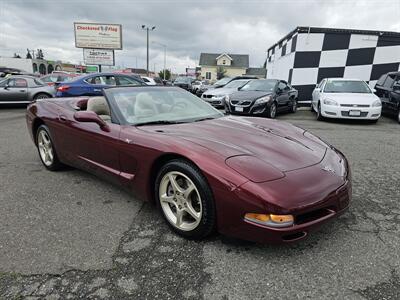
x=208, y=75
x=224, y=62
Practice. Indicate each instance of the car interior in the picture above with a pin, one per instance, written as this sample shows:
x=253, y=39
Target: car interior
x=100, y=106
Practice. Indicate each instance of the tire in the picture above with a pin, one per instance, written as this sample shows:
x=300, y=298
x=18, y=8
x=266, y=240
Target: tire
x=46, y=149
x=398, y=116
x=294, y=106
x=41, y=96
x=197, y=208
x=319, y=115
x=271, y=111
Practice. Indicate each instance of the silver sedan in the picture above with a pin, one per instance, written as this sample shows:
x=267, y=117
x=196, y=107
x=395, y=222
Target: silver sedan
x=24, y=89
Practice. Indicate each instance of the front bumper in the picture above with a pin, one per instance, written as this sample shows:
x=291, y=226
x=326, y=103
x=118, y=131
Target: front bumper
x=312, y=195
x=251, y=109
x=215, y=101
x=341, y=112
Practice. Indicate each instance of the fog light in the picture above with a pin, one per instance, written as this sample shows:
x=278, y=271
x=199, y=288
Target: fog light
x=271, y=220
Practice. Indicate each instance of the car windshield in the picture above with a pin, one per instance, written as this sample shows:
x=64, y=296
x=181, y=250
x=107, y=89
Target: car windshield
x=140, y=106
x=223, y=81
x=346, y=86
x=182, y=80
x=264, y=85
x=236, y=84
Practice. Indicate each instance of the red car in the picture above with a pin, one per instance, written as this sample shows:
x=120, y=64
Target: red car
x=252, y=178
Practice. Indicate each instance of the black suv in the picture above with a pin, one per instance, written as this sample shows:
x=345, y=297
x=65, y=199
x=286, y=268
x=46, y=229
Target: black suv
x=388, y=89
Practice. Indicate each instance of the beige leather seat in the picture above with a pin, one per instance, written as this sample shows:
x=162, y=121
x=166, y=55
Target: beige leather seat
x=100, y=106
x=145, y=106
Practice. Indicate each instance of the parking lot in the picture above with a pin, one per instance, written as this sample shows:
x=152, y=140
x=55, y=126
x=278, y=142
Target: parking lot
x=68, y=235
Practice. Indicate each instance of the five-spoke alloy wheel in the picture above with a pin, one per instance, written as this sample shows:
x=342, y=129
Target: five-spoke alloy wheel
x=46, y=149
x=185, y=199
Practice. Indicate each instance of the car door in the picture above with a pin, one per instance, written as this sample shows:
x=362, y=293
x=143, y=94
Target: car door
x=394, y=96
x=14, y=90
x=98, y=83
x=385, y=93
x=316, y=94
x=282, y=95
x=90, y=147
x=125, y=80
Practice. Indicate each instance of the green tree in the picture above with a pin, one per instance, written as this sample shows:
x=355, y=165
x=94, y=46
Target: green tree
x=220, y=72
x=167, y=74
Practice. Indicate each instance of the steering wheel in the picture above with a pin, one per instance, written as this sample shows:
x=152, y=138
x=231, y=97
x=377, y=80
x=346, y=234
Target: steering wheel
x=178, y=105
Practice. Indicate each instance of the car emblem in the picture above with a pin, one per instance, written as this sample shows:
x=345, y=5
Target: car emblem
x=329, y=169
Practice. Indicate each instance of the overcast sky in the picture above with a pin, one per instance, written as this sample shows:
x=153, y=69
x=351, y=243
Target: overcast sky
x=186, y=27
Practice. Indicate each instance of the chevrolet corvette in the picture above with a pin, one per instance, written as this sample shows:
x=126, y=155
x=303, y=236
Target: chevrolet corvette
x=251, y=178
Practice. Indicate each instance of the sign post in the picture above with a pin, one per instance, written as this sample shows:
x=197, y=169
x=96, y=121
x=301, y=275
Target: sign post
x=98, y=42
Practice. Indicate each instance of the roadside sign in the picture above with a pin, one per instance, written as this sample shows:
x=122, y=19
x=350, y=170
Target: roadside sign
x=98, y=36
x=98, y=57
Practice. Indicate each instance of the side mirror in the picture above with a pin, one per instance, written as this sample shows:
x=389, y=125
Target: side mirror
x=91, y=117
x=373, y=90
x=317, y=89
x=279, y=91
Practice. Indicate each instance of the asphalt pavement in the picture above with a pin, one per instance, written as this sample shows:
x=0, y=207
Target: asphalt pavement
x=69, y=235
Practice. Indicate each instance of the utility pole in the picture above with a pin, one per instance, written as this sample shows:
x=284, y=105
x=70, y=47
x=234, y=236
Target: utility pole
x=147, y=28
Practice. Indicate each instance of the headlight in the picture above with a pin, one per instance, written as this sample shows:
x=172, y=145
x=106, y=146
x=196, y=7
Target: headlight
x=263, y=100
x=270, y=220
x=377, y=103
x=330, y=102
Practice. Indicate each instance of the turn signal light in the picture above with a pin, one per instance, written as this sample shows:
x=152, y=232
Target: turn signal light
x=271, y=220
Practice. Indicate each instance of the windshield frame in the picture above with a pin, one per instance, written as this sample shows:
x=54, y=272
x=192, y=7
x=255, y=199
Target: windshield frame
x=117, y=116
x=344, y=92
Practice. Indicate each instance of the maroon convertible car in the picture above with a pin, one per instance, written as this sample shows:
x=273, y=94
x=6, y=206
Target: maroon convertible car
x=252, y=178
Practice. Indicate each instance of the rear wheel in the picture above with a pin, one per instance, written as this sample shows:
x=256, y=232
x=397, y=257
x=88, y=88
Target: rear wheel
x=47, y=152
x=271, y=111
x=185, y=199
x=41, y=96
x=319, y=115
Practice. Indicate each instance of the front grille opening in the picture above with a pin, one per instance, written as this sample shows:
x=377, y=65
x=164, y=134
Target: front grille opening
x=313, y=215
x=294, y=236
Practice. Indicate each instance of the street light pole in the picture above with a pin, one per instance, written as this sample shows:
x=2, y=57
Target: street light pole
x=165, y=56
x=147, y=28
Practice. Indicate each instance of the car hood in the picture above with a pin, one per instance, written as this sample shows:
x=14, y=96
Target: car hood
x=220, y=91
x=277, y=143
x=248, y=95
x=351, y=98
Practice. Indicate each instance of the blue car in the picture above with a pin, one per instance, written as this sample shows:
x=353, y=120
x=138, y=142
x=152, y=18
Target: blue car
x=93, y=84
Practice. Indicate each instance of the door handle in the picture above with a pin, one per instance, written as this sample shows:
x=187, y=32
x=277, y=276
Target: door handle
x=62, y=118
x=97, y=90
x=22, y=91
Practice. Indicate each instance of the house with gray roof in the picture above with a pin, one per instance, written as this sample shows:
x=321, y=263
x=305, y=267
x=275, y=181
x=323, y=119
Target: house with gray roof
x=215, y=64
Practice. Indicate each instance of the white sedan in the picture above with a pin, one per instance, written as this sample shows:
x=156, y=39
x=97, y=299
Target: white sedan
x=345, y=99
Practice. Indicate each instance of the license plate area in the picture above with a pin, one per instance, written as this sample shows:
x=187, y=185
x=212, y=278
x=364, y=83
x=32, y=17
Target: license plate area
x=238, y=108
x=355, y=113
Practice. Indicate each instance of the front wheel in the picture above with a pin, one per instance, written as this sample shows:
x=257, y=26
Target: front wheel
x=46, y=149
x=398, y=116
x=294, y=106
x=271, y=111
x=319, y=114
x=185, y=199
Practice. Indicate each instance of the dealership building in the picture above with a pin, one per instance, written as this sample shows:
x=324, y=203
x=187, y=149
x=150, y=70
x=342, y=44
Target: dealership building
x=308, y=54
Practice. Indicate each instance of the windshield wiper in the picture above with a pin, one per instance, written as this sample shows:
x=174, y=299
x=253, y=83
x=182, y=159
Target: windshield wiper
x=159, y=122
